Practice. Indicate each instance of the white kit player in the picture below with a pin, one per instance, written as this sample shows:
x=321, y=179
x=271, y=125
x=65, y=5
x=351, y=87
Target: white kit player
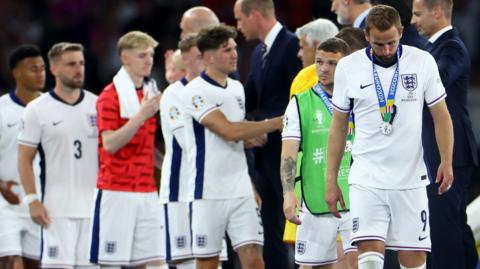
x=307, y=122
x=61, y=126
x=19, y=235
x=214, y=112
x=174, y=185
x=386, y=86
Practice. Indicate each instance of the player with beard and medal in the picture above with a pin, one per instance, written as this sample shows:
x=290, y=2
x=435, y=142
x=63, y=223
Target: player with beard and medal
x=388, y=178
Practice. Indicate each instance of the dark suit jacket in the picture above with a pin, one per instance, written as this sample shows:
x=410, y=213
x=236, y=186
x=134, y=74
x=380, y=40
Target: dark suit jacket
x=267, y=95
x=453, y=63
x=412, y=38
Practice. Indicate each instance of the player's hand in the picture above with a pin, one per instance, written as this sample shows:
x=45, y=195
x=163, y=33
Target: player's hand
x=444, y=177
x=278, y=121
x=39, y=214
x=149, y=106
x=290, y=207
x=333, y=195
x=258, y=199
x=258, y=141
x=7, y=193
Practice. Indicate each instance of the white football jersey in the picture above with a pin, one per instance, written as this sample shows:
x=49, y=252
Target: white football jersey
x=11, y=110
x=217, y=168
x=393, y=161
x=67, y=140
x=174, y=182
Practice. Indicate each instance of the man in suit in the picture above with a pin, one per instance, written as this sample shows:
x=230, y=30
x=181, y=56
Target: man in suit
x=410, y=34
x=351, y=12
x=274, y=64
x=453, y=244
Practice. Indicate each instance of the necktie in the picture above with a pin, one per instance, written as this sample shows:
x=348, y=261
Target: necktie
x=429, y=46
x=263, y=51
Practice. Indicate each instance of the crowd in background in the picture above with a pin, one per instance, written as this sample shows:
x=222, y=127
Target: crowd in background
x=99, y=24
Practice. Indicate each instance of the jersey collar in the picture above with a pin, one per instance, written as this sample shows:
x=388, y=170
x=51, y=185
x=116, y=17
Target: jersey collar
x=211, y=81
x=184, y=81
x=56, y=97
x=367, y=52
x=15, y=98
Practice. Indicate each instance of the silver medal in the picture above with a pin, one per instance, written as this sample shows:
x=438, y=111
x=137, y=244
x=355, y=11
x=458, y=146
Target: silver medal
x=386, y=128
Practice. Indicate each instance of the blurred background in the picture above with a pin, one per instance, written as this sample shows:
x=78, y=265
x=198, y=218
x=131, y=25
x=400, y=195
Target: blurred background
x=98, y=24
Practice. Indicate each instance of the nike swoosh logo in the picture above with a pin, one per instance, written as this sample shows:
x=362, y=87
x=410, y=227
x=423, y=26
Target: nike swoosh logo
x=55, y=123
x=10, y=125
x=364, y=86
x=421, y=238
x=219, y=105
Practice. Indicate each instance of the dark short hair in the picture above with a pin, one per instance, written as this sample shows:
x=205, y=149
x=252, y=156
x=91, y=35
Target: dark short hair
x=214, y=36
x=22, y=52
x=354, y=37
x=335, y=45
x=187, y=43
x=382, y=17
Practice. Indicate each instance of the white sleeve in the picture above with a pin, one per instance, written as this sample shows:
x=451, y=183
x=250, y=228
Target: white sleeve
x=340, y=99
x=179, y=135
x=433, y=87
x=1, y=126
x=291, y=122
x=171, y=113
x=198, y=103
x=30, y=128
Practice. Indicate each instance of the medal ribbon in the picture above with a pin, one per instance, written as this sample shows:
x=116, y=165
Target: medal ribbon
x=318, y=89
x=386, y=107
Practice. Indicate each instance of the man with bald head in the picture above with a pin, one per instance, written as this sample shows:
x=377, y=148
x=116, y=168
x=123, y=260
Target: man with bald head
x=193, y=20
x=196, y=18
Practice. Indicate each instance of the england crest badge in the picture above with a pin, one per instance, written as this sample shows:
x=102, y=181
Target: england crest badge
x=409, y=82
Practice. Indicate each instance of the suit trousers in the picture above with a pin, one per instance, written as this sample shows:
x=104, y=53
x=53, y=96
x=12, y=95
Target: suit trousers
x=453, y=244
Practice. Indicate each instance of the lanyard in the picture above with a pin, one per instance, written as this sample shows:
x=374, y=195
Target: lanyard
x=318, y=89
x=386, y=107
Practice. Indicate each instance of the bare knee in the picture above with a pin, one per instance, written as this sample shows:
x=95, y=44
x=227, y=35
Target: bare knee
x=412, y=259
x=250, y=256
x=352, y=259
x=371, y=245
x=207, y=263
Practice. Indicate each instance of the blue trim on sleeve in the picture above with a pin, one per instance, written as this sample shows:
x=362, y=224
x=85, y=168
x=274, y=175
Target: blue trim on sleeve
x=175, y=171
x=199, y=131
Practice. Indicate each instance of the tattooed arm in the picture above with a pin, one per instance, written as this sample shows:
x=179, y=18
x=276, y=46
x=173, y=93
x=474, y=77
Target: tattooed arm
x=287, y=173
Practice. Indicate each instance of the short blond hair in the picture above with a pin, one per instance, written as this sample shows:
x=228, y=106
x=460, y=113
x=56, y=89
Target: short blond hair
x=136, y=40
x=59, y=49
